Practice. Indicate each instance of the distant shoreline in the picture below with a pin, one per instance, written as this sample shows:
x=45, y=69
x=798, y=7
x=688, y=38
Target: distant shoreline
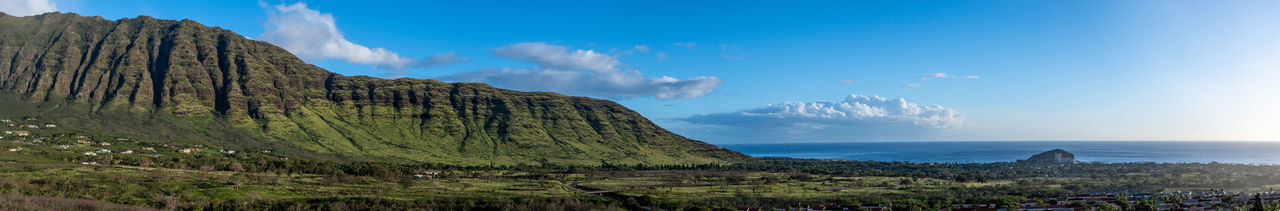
x=1237, y=152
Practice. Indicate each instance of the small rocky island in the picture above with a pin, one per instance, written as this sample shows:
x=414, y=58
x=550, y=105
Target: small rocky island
x=1052, y=156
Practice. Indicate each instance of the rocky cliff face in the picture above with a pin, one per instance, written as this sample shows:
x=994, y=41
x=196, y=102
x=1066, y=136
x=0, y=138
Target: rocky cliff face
x=184, y=69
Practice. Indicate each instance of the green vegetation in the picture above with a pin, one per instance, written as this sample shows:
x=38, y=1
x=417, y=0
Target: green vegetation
x=182, y=82
x=161, y=175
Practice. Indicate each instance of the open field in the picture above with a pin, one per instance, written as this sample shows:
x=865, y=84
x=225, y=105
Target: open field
x=118, y=171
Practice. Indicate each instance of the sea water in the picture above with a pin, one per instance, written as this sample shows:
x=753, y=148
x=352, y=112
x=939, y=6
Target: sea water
x=1004, y=151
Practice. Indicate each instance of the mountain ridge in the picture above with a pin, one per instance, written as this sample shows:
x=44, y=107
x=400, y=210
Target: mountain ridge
x=185, y=71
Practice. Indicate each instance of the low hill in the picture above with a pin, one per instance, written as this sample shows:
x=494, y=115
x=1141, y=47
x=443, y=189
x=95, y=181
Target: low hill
x=184, y=82
x=1052, y=156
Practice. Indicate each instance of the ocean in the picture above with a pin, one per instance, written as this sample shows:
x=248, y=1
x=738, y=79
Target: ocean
x=1002, y=151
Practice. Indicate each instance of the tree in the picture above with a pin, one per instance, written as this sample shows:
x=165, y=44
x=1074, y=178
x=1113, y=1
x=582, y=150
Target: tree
x=236, y=166
x=1256, y=203
x=907, y=205
x=1108, y=207
x=1009, y=203
x=1122, y=202
x=1146, y=205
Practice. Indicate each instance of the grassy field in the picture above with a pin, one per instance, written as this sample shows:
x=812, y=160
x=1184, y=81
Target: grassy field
x=56, y=164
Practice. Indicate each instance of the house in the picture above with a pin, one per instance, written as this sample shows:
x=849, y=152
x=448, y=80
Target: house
x=15, y=149
x=63, y=147
x=6, y=121
x=427, y=175
x=8, y=132
x=229, y=152
x=126, y=152
x=105, y=143
x=89, y=163
x=50, y=125
x=104, y=151
x=84, y=142
x=90, y=153
x=33, y=127
x=22, y=133
x=187, y=150
x=149, y=148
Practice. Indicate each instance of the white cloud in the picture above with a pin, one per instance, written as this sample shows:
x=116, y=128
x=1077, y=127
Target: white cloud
x=846, y=81
x=642, y=48
x=558, y=57
x=313, y=35
x=945, y=75
x=912, y=86
x=27, y=7
x=614, y=84
x=857, y=117
x=582, y=72
x=662, y=56
x=690, y=45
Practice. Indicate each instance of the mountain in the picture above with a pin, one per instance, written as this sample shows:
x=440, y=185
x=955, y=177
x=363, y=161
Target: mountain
x=1052, y=156
x=183, y=82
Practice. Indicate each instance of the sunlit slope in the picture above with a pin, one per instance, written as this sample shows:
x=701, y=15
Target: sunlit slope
x=213, y=82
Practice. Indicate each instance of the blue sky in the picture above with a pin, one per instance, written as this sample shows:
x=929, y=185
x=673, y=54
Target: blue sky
x=812, y=71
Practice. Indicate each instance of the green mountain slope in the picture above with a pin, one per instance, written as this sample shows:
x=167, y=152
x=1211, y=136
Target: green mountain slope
x=166, y=79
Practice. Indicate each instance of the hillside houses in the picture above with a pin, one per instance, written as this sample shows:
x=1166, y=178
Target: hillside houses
x=17, y=133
